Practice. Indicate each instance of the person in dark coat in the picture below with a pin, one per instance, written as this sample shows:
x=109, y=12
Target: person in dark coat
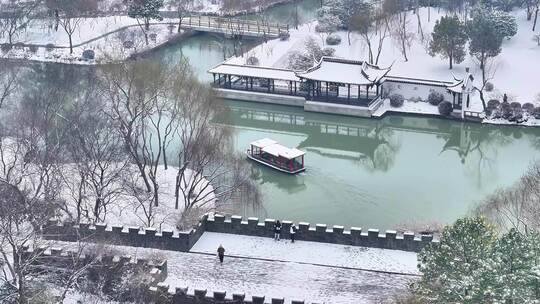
x=221, y=253
x=277, y=230
x=292, y=232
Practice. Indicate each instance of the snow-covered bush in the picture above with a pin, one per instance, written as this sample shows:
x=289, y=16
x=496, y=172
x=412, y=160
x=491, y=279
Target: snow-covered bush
x=435, y=98
x=19, y=45
x=153, y=37
x=396, y=100
x=252, y=60
x=299, y=62
x=128, y=44
x=445, y=108
x=49, y=47
x=506, y=110
x=328, y=52
x=33, y=49
x=488, y=87
x=283, y=36
x=6, y=47
x=333, y=39
x=88, y=55
x=515, y=105
x=493, y=104
x=528, y=107
x=536, y=113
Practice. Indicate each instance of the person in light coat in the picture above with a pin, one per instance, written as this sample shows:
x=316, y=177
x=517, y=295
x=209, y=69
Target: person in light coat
x=292, y=232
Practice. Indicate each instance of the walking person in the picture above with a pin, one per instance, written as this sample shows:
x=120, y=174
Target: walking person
x=277, y=230
x=292, y=232
x=221, y=253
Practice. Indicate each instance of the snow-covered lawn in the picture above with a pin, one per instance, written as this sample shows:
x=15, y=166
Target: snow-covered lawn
x=126, y=210
x=309, y=252
x=408, y=107
x=289, y=280
x=103, y=35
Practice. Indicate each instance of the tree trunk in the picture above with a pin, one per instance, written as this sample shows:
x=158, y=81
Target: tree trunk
x=450, y=58
x=535, y=19
x=70, y=45
x=348, y=36
x=179, y=24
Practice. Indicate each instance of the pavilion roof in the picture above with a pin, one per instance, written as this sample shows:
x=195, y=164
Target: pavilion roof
x=254, y=71
x=464, y=85
x=330, y=69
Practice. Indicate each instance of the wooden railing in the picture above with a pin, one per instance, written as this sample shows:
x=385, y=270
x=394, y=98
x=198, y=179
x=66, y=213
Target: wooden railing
x=235, y=26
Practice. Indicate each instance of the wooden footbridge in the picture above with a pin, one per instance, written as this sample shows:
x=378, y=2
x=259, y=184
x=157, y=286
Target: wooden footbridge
x=234, y=26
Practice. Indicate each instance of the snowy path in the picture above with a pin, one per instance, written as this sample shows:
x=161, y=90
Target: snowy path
x=255, y=276
x=309, y=252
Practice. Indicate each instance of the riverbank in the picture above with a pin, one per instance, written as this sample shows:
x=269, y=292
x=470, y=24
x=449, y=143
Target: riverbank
x=510, y=65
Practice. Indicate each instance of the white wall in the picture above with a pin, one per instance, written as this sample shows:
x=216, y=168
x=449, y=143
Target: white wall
x=413, y=90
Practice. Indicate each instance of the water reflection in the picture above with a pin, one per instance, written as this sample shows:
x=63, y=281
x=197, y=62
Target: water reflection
x=384, y=172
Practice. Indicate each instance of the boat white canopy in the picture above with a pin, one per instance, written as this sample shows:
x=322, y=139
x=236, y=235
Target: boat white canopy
x=336, y=70
x=261, y=143
x=254, y=71
x=273, y=148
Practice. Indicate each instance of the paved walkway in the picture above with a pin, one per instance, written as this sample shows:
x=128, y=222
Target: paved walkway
x=328, y=274
x=333, y=255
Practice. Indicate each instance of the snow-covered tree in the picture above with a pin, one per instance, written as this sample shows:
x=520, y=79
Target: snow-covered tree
x=505, y=24
x=509, y=270
x=485, y=37
x=145, y=11
x=452, y=270
x=449, y=39
x=16, y=17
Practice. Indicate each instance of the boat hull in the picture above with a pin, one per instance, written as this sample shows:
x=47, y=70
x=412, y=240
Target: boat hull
x=274, y=166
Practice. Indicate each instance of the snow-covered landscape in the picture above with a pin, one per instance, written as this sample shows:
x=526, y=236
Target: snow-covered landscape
x=120, y=170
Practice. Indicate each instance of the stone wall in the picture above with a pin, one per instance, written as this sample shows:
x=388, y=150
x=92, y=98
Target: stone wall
x=161, y=294
x=184, y=241
x=407, y=241
x=124, y=235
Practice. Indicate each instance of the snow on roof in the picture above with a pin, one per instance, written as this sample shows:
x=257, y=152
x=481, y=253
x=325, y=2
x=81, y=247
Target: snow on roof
x=272, y=147
x=345, y=71
x=279, y=150
x=261, y=143
x=464, y=85
x=254, y=71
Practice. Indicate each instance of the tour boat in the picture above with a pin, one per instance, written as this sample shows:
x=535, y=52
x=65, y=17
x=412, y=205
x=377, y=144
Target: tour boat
x=268, y=152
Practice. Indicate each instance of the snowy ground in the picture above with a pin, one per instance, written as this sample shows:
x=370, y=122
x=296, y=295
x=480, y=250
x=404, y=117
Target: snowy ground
x=290, y=278
x=126, y=210
x=514, y=69
x=103, y=35
x=310, y=252
x=408, y=107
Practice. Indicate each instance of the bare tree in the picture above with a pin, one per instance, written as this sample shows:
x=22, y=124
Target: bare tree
x=98, y=160
x=144, y=113
x=69, y=14
x=401, y=33
x=30, y=151
x=517, y=206
x=16, y=18
x=183, y=9
x=209, y=173
x=9, y=81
